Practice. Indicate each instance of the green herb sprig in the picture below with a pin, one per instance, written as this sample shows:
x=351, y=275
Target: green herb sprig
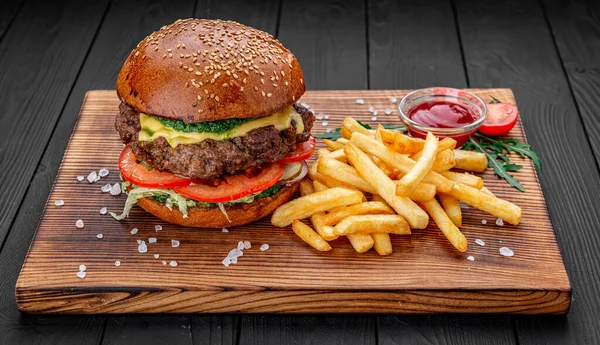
x=336, y=134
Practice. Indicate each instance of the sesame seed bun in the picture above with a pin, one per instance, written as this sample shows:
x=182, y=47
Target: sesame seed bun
x=197, y=70
x=212, y=217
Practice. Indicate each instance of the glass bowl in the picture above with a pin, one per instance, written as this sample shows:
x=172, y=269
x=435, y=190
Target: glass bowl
x=460, y=134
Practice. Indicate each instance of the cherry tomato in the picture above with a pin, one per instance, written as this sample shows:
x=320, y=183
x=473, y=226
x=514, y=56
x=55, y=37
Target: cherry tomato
x=303, y=151
x=501, y=118
x=232, y=187
x=142, y=177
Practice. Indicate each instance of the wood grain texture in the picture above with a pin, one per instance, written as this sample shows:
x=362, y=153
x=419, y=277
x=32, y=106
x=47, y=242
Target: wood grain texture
x=427, y=275
x=428, y=56
x=149, y=329
x=501, y=55
x=328, y=37
x=8, y=10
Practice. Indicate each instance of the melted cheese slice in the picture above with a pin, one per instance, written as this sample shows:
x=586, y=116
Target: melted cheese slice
x=152, y=128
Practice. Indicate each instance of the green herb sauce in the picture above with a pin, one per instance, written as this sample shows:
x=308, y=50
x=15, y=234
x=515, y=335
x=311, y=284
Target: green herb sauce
x=247, y=199
x=218, y=127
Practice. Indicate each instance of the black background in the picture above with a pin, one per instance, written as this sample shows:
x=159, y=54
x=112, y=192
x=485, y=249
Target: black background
x=548, y=52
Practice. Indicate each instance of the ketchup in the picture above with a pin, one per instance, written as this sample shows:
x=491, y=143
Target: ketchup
x=443, y=114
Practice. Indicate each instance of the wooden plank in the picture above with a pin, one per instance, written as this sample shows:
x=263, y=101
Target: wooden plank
x=215, y=329
x=8, y=10
x=34, y=88
x=430, y=55
x=329, y=40
x=148, y=330
x=290, y=277
x=330, y=329
x=413, y=44
x=502, y=55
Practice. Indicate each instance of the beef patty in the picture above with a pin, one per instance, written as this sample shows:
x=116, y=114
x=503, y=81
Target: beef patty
x=212, y=158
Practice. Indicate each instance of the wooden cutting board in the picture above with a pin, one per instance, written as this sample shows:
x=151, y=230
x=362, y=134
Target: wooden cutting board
x=425, y=274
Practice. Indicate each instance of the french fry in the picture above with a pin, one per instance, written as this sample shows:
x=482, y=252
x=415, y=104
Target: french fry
x=450, y=230
x=351, y=126
x=452, y=208
x=321, y=153
x=309, y=236
x=306, y=206
x=444, y=161
x=381, y=164
x=411, y=180
x=331, y=182
x=509, y=212
x=383, y=243
x=470, y=161
x=401, y=142
x=398, y=161
x=342, y=141
x=319, y=186
x=338, y=155
x=444, y=144
x=425, y=191
x=333, y=145
x=345, y=133
x=385, y=187
x=344, y=173
x=372, y=223
x=485, y=190
x=464, y=178
x=361, y=242
x=306, y=187
x=370, y=207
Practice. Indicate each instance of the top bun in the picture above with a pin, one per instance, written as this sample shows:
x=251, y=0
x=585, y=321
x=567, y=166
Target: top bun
x=197, y=70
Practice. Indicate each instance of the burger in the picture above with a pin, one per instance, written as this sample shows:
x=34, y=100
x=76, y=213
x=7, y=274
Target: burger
x=213, y=135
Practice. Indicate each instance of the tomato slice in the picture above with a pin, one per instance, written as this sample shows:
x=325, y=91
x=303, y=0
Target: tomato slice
x=303, y=151
x=233, y=187
x=142, y=177
x=501, y=118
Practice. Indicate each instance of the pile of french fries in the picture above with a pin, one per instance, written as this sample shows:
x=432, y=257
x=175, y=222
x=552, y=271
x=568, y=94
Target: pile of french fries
x=403, y=176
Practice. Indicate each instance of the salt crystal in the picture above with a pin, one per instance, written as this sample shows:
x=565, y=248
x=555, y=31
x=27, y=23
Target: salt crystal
x=371, y=109
x=224, y=230
x=480, y=242
x=164, y=262
x=81, y=274
x=388, y=111
x=305, y=105
x=247, y=245
x=240, y=245
x=156, y=256
x=59, y=202
x=158, y=227
x=324, y=123
x=264, y=247
x=134, y=231
x=116, y=189
x=393, y=99
x=79, y=223
x=82, y=268
x=142, y=248
x=483, y=221
x=226, y=262
x=328, y=130
x=505, y=251
x=152, y=240
x=360, y=101
x=326, y=117
x=499, y=222
x=103, y=172
x=375, y=113
x=99, y=236
x=103, y=210
x=234, y=260
x=374, y=118
x=319, y=117
x=92, y=177
x=173, y=263
x=117, y=263
x=106, y=188
x=80, y=178
x=139, y=241
x=174, y=243
x=470, y=258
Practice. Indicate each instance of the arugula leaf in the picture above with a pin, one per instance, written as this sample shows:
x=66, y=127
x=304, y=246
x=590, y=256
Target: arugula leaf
x=333, y=135
x=400, y=128
x=512, y=145
x=364, y=125
x=494, y=100
x=500, y=168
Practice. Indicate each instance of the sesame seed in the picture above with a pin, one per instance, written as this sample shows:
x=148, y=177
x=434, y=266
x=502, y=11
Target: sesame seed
x=170, y=55
x=263, y=93
x=169, y=50
x=269, y=94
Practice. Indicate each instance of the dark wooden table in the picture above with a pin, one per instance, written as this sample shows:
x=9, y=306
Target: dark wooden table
x=547, y=52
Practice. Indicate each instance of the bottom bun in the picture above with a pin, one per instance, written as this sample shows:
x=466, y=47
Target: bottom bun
x=212, y=217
